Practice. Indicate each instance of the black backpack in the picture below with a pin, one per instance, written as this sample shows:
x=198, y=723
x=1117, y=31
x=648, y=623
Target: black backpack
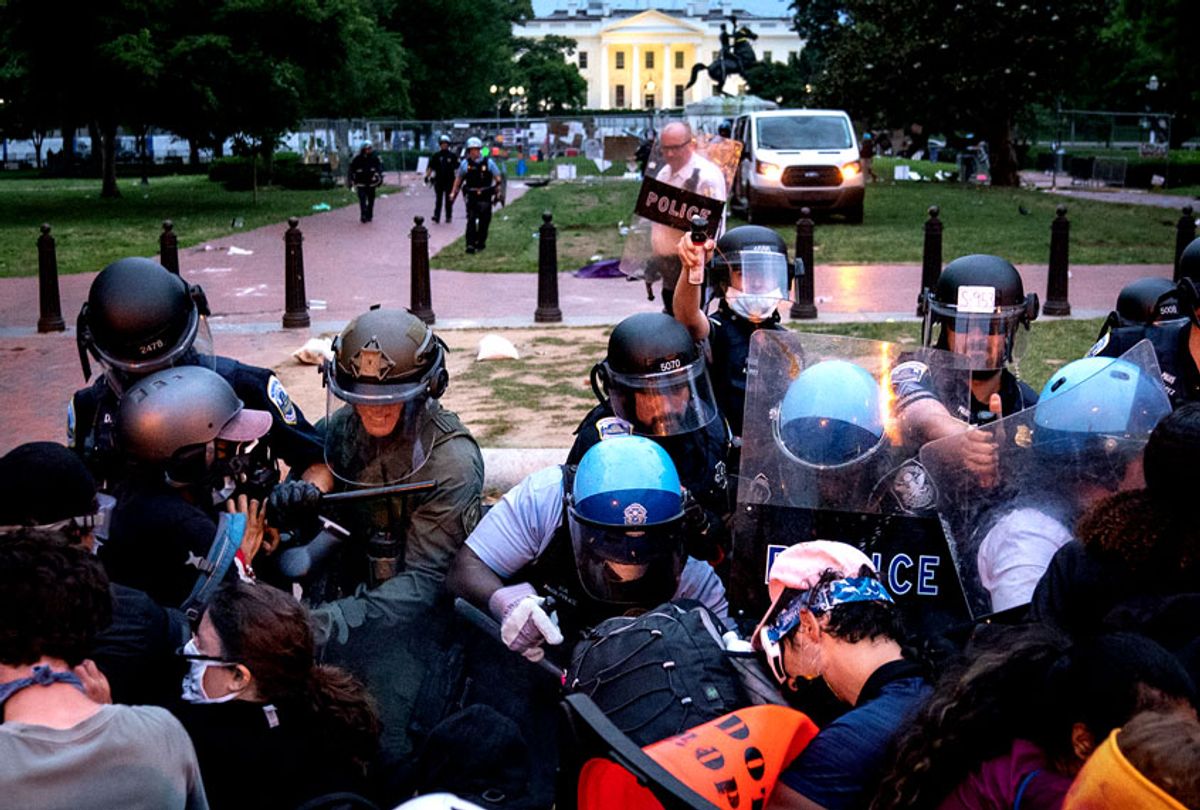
x=665, y=671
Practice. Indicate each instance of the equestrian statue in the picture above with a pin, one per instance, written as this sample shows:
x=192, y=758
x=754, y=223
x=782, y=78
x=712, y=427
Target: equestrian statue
x=735, y=59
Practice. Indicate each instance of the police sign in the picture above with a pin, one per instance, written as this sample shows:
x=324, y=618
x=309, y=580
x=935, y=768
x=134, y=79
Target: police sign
x=675, y=207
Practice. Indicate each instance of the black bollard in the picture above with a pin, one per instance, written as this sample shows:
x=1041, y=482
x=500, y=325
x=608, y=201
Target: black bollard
x=547, y=309
x=1185, y=234
x=804, y=306
x=931, y=256
x=295, y=314
x=1056, y=281
x=51, y=319
x=420, y=299
x=168, y=247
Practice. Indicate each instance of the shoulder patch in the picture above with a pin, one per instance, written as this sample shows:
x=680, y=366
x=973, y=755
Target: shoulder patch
x=470, y=517
x=611, y=426
x=1099, y=345
x=280, y=399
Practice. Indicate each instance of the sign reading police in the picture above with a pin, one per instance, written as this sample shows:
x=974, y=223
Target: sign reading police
x=675, y=207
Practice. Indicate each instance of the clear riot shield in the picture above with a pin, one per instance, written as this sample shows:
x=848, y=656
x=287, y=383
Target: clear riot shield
x=831, y=432
x=1081, y=442
x=684, y=179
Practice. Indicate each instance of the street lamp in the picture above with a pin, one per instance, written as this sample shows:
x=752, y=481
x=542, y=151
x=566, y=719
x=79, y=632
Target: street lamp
x=516, y=97
x=499, y=96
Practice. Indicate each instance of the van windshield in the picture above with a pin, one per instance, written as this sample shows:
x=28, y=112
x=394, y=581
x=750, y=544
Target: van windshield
x=804, y=132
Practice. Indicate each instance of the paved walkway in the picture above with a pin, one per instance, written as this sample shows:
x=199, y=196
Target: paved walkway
x=350, y=266
x=1063, y=186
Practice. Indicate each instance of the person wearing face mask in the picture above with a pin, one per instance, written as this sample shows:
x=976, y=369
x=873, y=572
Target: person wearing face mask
x=302, y=731
x=750, y=275
x=832, y=618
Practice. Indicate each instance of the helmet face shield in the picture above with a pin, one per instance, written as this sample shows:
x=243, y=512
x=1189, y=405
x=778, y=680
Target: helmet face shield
x=194, y=348
x=634, y=565
x=985, y=340
x=663, y=404
x=758, y=283
x=374, y=441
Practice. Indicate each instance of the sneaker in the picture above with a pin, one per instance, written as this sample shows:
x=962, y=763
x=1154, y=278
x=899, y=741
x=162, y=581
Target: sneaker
x=435, y=219
x=447, y=220
x=470, y=250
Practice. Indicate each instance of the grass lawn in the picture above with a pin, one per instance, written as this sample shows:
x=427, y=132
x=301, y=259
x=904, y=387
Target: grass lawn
x=91, y=232
x=1182, y=191
x=976, y=220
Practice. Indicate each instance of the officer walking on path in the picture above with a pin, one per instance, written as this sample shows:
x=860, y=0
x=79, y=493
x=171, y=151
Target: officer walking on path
x=366, y=175
x=479, y=177
x=443, y=165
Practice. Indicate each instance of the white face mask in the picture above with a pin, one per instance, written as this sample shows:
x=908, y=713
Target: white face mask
x=193, y=682
x=756, y=307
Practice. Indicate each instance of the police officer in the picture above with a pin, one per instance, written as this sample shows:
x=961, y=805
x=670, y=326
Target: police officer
x=195, y=450
x=654, y=383
x=443, y=164
x=385, y=425
x=139, y=318
x=1162, y=312
x=601, y=539
x=366, y=175
x=979, y=310
x=479, y=178
x=750, y=274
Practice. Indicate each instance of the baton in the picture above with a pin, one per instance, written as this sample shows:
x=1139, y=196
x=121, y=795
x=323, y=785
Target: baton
x=491, y=628
x=379, y=492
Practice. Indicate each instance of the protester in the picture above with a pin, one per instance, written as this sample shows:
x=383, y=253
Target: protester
x=61, y=746
x=302, y=731
x=831, y=618
x=1015, y=719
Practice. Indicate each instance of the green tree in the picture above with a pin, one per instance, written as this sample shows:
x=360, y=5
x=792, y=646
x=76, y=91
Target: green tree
x=782, y=83
x=950, y=65
x=457, y=49
x=551, y=82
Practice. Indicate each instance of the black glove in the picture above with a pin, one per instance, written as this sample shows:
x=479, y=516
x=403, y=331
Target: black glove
x=293, y=504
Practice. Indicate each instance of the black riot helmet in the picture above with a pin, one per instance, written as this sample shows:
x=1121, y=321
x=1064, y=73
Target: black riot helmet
x=1189, y=280
x=725, y=129
x=759, y=257
x=140, y=318
x=1147, y=301
x=654, y=377
x=980, y=304
x=189, y=422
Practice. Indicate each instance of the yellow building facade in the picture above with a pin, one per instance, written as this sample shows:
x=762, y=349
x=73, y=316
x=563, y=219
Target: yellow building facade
x=640, y=58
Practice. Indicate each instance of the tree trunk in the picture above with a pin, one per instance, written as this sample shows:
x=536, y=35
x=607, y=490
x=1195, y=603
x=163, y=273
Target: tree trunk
x=1005, y=171
x=193, y=152
x=68, y=149
x=108, y=162
x=38, y=138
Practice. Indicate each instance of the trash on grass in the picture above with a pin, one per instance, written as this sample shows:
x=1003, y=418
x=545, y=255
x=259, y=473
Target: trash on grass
x=496, y=347
x=315, y=351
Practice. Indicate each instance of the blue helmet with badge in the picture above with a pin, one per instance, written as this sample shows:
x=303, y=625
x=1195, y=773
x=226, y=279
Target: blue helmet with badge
x=1099, y=410
x=626, y=510
x=831, y=415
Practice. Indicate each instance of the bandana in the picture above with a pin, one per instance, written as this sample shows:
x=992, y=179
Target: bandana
x=821, y=599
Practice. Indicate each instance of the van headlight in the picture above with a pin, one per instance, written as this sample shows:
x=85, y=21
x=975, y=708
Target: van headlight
x=851, y=170
x=768, y=170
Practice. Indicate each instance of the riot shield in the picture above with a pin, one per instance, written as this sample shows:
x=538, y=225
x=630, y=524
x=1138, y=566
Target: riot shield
x=1081, y=442
x=829, y=449
x=683, y=180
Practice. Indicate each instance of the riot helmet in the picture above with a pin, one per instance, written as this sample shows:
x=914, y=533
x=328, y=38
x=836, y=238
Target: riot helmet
x=47, y=486
x=626, y=510
x=750, y=269
x=189, y=423
x=654, y=377
x=831, y=416
x=474, y=143
x=725, y=128
x=387, y=369
x=140, y=318
x=1189, y=261
x=980, y=305
x=1148, y=301
x=1097, y=410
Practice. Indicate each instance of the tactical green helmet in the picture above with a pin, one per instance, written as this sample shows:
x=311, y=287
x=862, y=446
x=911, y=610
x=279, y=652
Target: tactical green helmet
x=387, y=356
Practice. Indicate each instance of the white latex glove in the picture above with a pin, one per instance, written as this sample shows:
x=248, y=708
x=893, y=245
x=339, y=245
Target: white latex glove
x=526, y=627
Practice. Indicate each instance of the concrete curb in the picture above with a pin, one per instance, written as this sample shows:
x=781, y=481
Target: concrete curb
x=505, y=467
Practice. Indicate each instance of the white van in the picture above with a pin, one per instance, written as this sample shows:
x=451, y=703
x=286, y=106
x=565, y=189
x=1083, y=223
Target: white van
x=798, y=158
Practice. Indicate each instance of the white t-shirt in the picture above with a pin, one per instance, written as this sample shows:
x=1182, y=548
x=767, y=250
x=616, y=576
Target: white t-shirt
x=1016, y=552
x=710, y=183
x=518, y=529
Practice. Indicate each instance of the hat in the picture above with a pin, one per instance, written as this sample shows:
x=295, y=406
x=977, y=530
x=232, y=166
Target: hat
x=801, y=566
x=480, y=755
x=246, y=426
x=44, y=483
x=444, y=139
x=365, y=145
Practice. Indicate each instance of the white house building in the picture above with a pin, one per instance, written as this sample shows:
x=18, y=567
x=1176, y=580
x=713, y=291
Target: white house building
x=638, y=54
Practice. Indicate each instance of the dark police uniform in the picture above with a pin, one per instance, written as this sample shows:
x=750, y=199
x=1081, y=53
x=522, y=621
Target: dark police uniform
x=729, y=350
x=366, y=173
x=92, y=413
x=1171, y=341
x=479, y=178
x=443, y=164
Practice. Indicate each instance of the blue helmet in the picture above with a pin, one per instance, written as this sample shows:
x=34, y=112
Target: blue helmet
x=1094, y=404
x=831, y=415
x=626, y=511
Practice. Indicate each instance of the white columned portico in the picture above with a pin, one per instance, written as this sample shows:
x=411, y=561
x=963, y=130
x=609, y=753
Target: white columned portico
x=635, y=92
x=668, y=86
x=605, y=101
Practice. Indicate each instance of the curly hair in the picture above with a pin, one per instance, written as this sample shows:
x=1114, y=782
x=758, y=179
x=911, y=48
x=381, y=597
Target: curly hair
x=1165, y=747
x=858, y=621
x=1025, y=683
x=54, y=598
x=269, y=632
x=1137, y=530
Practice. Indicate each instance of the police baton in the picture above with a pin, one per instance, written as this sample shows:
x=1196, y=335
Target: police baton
x=491, y=628
x=378, y=492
